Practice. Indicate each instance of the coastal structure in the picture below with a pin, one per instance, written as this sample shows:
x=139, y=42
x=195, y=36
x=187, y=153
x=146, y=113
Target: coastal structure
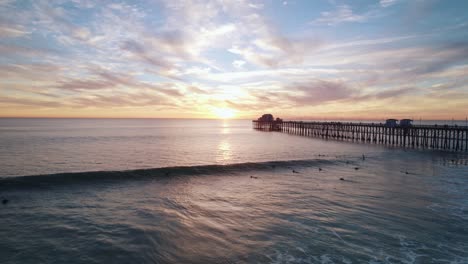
x=405, y=134
x=391, y=123
x=268, y=122
x=406, y=122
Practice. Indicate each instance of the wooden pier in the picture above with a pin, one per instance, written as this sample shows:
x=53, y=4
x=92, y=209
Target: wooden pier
x=451, y=138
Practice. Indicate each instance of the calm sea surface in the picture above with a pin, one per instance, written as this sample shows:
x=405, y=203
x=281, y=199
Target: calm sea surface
x=208, y=191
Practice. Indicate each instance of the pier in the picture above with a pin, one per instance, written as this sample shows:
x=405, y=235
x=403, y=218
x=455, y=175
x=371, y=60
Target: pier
x=451, y=138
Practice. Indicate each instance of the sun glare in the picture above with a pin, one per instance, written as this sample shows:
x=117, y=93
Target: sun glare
x=224, y=113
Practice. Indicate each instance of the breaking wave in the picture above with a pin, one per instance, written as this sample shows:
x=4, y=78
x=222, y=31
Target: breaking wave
x=93, y=176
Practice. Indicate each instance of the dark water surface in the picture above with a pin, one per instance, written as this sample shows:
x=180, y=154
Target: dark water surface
x=398, y=206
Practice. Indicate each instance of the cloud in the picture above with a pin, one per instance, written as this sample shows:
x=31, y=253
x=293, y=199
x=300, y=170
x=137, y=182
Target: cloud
x=120, y=100
x=238, y=24
x=6, y=2
x=14, y=51
x=105, y=80
x=81, y=33
x=173, y=93
x=342, y=14
x=29, y=72
x=395, y=93
x=191, y=28
x=98, y=79
x=196, y=90
x=402, y=65
x=84, y=3
x=437, y=59
x=141, y=52
x=8, y=31
x=256, y=6
x=274, y=51
x=383, y=95
x=199, y=25
x=238, y=64
x=317, y=92
x=79, y=85
x=29, y=102
x=55, y=19
x=372, y=42
x=387, y=3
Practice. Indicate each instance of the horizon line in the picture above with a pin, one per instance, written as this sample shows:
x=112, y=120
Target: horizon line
x=208, y=118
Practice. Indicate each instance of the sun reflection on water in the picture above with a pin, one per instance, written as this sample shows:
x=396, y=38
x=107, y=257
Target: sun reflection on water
x=225, y=127
x=224, y=154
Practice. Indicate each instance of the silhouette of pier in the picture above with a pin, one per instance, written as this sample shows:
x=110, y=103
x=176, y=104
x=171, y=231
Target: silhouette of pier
x=451, y=138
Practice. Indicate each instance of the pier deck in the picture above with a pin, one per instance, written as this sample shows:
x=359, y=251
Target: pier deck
x=452, y=138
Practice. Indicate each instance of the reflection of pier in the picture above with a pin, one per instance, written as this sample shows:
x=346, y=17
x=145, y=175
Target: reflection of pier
x=445, y=137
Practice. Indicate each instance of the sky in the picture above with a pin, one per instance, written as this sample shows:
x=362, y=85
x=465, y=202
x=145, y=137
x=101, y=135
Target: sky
x=309, y=59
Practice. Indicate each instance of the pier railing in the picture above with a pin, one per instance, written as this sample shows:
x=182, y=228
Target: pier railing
x=444, y=137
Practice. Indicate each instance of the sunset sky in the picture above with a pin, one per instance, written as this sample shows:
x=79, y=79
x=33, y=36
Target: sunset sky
x=234, y=58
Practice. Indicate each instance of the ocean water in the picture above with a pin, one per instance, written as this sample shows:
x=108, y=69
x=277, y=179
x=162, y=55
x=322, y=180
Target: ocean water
x=208, y=191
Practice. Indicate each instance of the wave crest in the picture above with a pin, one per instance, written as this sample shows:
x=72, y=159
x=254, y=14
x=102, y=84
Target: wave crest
x=93, y=176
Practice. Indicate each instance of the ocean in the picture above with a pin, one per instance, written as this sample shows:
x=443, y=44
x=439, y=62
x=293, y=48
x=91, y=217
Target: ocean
x=218, y=191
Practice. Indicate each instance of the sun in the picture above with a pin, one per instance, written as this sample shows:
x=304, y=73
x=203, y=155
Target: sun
x=224, y=113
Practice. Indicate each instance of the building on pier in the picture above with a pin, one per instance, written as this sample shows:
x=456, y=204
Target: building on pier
x=406, y=122
x=391, y=122
x=268, y=122
x=266, y=118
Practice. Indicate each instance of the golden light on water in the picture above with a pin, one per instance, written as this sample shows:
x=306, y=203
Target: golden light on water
x=224, y=155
